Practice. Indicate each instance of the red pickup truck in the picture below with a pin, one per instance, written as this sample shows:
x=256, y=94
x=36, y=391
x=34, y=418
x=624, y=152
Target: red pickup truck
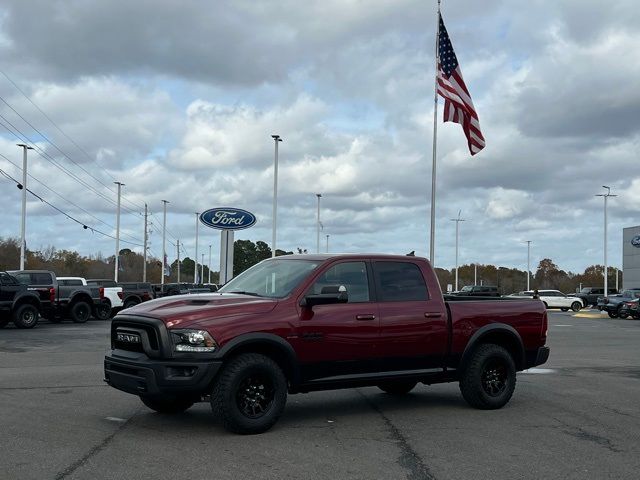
x=301, y=323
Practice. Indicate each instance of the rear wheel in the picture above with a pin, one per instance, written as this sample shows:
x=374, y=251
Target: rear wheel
x=80, y=312
x=489, y=379
x=25, y=316
x=612, y=314
x=168, y=405
x=576, y=306
x=250, y=394
x=399, y=387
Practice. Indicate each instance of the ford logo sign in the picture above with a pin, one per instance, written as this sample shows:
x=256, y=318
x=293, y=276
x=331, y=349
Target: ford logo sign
x=635, y=241
x=227, y=218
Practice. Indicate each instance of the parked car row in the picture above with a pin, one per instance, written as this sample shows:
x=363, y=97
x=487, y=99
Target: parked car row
x=26, y=295
x=612, y=304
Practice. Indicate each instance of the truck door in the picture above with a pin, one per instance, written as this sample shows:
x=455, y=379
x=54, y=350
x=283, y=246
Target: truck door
x=339, y=339
x=413, y=321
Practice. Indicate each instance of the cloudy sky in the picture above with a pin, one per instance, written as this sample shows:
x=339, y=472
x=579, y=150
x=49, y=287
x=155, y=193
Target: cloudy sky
x=178, y=100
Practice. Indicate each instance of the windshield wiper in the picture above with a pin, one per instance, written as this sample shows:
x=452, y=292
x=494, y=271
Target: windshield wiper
x=240, y=292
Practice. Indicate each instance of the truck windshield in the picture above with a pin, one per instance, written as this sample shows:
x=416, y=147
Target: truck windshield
x=271, y=278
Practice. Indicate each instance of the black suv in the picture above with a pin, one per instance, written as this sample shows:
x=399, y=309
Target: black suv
x=590, y=295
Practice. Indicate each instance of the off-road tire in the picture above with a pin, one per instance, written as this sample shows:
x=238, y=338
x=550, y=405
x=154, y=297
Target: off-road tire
x=398, y=387
x=489, y=378
x=168, y=405
x=576, y=306
x=25, y=316
x=102, y=311
x=249, y=382
x=80, y=312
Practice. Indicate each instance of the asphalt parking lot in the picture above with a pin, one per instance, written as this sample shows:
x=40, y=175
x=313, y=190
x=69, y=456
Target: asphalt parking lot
x=576, y=418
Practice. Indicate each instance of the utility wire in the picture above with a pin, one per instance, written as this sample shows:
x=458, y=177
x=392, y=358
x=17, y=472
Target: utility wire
x=67, y=200
x=85, y=226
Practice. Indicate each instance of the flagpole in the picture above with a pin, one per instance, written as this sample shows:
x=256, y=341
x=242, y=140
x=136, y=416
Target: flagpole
x=432, y=237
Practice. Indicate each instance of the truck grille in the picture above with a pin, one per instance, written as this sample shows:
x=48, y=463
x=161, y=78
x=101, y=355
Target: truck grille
x=137, y=335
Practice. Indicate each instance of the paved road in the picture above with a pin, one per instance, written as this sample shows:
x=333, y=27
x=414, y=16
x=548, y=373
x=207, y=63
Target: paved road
x=580, y=419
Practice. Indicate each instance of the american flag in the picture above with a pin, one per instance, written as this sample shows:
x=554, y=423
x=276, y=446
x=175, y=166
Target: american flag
x=458, y=106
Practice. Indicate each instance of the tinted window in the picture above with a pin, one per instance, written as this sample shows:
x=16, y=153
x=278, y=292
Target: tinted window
x=70, y=283
x=353, y=275
x=400, y=282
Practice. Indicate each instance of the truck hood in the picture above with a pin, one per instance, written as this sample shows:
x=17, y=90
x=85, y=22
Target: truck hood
x=184, y=311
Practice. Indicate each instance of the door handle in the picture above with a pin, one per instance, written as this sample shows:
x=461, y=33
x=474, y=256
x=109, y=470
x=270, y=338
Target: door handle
x=432, y=314
x=366, y=317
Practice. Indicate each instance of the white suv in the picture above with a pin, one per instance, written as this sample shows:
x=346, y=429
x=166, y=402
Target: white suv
x=556, y=299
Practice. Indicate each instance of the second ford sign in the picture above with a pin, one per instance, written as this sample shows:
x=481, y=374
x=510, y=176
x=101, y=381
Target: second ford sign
x=227, y=218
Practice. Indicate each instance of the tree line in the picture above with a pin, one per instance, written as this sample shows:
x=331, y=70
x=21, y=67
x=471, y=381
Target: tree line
x=247, y=253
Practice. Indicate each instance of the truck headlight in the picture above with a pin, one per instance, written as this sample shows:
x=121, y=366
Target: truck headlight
x=193, y=341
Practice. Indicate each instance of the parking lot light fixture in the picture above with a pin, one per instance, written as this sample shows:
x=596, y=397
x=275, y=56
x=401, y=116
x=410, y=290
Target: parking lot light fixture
x=605, y=196
x=24, y=203
x=274, y=216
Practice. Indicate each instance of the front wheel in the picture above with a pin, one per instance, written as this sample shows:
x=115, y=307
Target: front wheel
x=400, y=387
x=25, y=316
x=102, y=311
x=576, y=306
x=167, y=405
x=612, y=314
x=80, y=312
x=250, y=394
x=489, y=379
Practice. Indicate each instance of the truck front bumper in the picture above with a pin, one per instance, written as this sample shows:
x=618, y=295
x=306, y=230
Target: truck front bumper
x=139, y=375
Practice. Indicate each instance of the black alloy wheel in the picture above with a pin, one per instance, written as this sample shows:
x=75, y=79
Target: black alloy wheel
x=25, y=316
x=255, y=396
x=489, y=377
x=102, y=311
x=80, y=312
x=250, y=394
x=494, y=377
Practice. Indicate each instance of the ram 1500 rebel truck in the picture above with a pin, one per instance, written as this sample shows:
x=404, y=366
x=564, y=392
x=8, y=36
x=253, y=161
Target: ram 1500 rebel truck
x=299, y=323
x=60, y=300
x=17, y=304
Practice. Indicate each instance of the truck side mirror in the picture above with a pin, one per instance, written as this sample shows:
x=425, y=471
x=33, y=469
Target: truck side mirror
x=329, y=295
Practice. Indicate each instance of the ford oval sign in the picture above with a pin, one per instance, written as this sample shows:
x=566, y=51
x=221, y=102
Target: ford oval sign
x=635, y=241
x=227, y=218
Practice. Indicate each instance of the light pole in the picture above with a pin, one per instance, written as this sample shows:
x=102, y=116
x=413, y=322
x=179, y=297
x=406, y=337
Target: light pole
x=606, y=196
x=457, y=220
x=327, y=243
x=274, y=216
x=195, y=258
x=209, y=264
x=115, y=275
x=164, y=239
x=202, y=269
x=23, y=224
x=319, y=195
x=528, y=262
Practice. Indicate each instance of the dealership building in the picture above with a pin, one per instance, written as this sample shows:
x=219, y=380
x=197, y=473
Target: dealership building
x=631, y=257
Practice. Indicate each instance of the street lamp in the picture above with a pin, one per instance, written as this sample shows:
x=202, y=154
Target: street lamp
x=117, y=259
x=274, y=216
x=164, y=241
x=327, y=243
x=23, y=223
x=605, y=196
x=528, y=262
x=195, y=257
x=457, y=220
x=319, y=195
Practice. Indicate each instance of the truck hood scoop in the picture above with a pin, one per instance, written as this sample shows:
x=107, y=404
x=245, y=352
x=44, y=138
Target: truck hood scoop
x=186, y=310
